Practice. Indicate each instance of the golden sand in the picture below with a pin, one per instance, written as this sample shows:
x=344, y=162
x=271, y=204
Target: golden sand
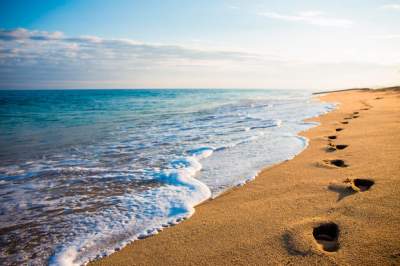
x=332, y=204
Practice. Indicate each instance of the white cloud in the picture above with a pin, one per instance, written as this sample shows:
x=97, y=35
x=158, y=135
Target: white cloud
x=391, y=7
x=30, y=56
x=40, y=45
x=310, y=17
x=38, y=59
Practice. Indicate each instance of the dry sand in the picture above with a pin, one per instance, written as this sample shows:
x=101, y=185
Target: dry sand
x=271, y=220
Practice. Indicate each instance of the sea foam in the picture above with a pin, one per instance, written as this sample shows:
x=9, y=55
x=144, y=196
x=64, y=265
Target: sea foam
x=173, y=202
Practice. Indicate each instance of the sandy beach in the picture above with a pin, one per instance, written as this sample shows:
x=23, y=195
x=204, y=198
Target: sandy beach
x=338, y=202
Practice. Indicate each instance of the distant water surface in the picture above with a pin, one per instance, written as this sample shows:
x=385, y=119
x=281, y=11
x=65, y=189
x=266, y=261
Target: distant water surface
x=84, y=172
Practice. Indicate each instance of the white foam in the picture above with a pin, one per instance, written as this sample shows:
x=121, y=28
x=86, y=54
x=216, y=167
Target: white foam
x=166, y=205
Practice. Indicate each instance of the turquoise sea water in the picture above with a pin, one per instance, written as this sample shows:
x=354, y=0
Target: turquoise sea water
x=84, y=172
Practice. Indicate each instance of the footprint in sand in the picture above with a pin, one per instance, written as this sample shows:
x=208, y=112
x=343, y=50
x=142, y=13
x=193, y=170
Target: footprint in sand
x=355, y=113
x=338, y=163
x=332, y=137
x=333, y=163
x=348, y=118
x=360, y=184
x=345, y=122
x=356, y=185
x=364, y=109
x=339, y=129
x=356, y=116
x=327, y=236
x=299, y=239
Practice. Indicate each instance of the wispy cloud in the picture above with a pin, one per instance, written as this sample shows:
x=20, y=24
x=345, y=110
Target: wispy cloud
x=310, y=17
x=39, y=55
x=391, y=7
x=42, y=44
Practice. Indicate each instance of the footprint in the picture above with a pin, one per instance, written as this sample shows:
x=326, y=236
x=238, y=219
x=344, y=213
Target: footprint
x=332, y=137
x=327, y=236
x=345, y=122
x=360, y=184
x=364, y=109
x=341, y=146
x=338, y=163
x=339, y=129
x=356, y=116
x=355, y=113
x=348, y=118
x=297, y=240
x=333, y=163
x=378, y=98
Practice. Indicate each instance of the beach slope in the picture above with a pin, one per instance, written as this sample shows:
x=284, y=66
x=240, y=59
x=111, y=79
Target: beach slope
x=338, y=202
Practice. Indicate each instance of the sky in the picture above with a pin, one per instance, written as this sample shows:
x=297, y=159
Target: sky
x=199, y=44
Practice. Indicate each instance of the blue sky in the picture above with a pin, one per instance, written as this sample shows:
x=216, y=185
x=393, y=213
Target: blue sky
x=209, y=43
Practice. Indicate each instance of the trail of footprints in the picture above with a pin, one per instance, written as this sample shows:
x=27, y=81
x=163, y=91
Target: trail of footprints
x=326, y=234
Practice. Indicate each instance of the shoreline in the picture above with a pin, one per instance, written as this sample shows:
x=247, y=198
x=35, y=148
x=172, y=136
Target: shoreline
x=269, y=220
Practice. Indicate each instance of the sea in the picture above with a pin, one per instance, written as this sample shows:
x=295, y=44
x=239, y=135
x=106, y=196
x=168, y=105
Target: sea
x=85, y=172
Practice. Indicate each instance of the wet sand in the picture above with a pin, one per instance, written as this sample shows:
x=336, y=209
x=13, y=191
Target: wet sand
x=338, y=202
